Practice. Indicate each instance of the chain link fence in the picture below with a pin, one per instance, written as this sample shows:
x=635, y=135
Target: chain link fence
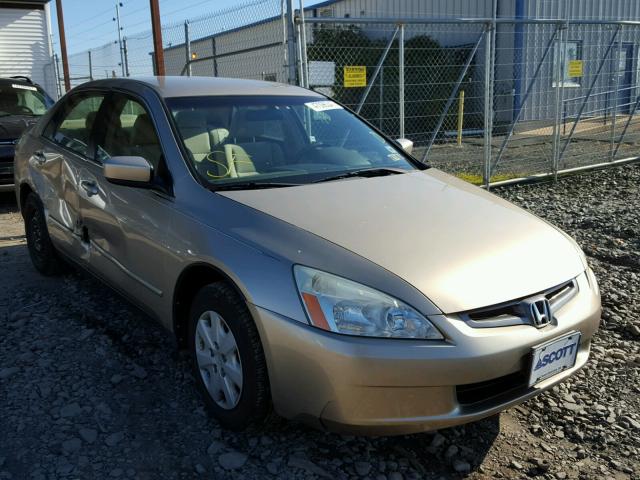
x=486, y=99
x=239, y=41
x=489, y=100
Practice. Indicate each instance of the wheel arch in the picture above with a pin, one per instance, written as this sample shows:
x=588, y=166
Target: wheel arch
x=190, y=281
x=25, y=190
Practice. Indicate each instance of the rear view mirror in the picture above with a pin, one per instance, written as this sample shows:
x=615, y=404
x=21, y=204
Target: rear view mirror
x=405, y=144
x=127, y=170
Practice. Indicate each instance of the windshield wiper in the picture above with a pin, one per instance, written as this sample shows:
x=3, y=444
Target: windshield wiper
x=252, y=185
x=365, y=172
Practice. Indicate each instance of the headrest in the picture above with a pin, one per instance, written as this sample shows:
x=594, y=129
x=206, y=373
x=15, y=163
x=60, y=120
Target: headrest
x=143, y=131
x=90, y=120
x=191, y=119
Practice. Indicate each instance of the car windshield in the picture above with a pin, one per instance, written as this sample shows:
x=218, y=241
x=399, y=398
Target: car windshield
x=20, y=99
x=280, y=141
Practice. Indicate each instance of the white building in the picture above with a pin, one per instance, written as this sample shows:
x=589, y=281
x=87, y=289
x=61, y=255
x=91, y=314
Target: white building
x=25, y=42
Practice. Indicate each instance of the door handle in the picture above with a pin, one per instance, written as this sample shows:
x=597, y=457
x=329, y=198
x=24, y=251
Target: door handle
x=39, y=157
x=90, y=187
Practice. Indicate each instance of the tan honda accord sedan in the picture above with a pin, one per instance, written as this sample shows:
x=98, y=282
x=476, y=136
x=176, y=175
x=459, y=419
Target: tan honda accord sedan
x=310, y=264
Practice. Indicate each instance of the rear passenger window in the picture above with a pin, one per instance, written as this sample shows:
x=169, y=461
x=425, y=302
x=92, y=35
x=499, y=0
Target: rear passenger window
x=73, y=128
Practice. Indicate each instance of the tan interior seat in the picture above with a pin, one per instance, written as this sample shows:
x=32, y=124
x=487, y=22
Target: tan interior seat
x=217, y=125
x=238, y=161
x=218, y=136
x=144, y=141
x=252, y=158
x=193, y=128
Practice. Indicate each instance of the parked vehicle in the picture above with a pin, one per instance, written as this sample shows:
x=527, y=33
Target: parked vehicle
x=21, y=103
x=309, y=263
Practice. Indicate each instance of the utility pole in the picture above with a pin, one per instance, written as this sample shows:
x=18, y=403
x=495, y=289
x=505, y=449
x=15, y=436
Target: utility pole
x=90, y=66
x=126, y=56
x=117, y=20
x=157, y=37
x=63, y=46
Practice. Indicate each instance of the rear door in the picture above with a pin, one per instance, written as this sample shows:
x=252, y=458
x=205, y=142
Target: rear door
x=60, y=153
x=126, y=226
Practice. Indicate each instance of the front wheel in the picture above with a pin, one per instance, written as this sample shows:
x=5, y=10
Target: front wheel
x=228, y=358
x=41, y=250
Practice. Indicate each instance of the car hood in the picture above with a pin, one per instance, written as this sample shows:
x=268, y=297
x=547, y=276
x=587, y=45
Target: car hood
x=462, y=247
x=12, y=126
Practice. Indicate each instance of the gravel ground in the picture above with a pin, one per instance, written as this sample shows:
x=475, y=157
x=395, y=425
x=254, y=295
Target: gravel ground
x=92, y=388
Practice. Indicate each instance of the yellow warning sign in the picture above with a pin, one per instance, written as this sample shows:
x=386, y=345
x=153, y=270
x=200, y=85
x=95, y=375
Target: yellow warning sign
x=355, y=76
x=575, y=68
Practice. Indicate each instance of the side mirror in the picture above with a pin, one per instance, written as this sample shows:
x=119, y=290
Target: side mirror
x=405, y=144
x=134, y=171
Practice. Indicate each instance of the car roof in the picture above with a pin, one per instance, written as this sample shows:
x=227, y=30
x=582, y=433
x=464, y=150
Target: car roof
x=206, y=86
x=19, y=80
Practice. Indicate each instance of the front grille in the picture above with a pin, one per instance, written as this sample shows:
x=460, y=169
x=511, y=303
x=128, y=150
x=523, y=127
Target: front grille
x=6, y=171
x=6, y=162
x=512, y=313
x=473, y=393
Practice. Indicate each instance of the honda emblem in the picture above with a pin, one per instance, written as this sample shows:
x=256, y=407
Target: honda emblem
x=540, y=312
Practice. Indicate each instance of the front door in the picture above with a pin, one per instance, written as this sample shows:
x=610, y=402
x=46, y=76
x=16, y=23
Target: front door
x=64, y=149
x=126, y=225
x=624, y=73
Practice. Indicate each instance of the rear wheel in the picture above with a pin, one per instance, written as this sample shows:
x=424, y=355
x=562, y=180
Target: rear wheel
x=41, y=250
x=228, y=359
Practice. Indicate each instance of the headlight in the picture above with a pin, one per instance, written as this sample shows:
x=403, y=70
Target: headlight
x=339, y=305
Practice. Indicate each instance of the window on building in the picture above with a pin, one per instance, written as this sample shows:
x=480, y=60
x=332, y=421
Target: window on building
x=568, y=52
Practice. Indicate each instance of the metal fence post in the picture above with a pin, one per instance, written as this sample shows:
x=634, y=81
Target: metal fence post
x=401, y=79
x=616, y=72
x=559, y=81
x=291, y=44
x=486, y=175
x=303, y=49
x=56, y=69
x=300, y=59
x=187, y=47
x=90, y=65
x=564, y=38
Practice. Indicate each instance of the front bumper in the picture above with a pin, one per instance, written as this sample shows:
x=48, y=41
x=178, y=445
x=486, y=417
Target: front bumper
x=392, y=386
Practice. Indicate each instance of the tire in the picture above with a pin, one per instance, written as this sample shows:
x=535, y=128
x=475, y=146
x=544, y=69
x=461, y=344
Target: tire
x=41, y=250
x=218, y=364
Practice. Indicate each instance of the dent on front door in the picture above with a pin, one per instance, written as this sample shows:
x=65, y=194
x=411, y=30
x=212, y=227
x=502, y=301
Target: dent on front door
x=55, y=178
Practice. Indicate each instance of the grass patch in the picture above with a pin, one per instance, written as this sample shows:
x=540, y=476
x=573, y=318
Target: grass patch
x=476, y=179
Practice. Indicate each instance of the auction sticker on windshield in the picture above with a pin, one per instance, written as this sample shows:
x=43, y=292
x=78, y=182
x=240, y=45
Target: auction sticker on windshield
x=322, y=105
x=554, y=357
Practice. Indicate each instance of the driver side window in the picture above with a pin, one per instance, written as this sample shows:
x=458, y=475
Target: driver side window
x=129, y=131
x=73, y=128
